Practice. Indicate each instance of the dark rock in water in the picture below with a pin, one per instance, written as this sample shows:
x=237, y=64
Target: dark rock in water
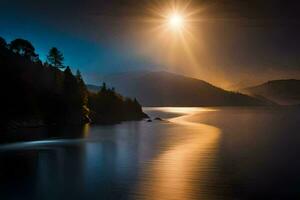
x=149, y=120
x=158, y=119
x=144, y=116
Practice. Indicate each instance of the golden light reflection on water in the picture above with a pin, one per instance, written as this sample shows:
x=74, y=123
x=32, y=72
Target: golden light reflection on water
x=180, y=110
x=176, y=173
x=86, y=130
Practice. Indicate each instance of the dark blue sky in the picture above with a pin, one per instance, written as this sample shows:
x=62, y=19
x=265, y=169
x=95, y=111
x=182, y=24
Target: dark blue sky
x=246, y=39
x=90, y=55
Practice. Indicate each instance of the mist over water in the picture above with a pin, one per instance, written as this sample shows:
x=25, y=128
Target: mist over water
x=195, y=153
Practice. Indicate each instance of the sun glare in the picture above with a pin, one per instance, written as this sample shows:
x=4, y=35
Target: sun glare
x=176, y=21
x=174, y=28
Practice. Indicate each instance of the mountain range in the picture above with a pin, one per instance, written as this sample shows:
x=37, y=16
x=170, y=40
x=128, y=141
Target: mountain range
x=283, y=92
x=162, y=88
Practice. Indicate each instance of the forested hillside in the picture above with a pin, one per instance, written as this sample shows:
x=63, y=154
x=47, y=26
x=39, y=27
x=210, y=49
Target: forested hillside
x=45, y=93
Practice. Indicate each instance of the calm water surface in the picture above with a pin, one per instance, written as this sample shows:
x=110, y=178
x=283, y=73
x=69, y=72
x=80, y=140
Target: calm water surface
x=195, y=153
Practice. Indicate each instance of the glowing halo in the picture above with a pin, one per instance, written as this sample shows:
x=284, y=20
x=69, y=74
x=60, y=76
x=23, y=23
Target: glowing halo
x=173, y=29
x=176, y=21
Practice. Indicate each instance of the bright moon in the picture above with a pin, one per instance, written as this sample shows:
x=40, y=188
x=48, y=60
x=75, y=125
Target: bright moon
x=176, y=21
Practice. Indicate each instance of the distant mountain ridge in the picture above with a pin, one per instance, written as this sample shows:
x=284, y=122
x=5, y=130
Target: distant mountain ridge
x=168, y=89
x=284, y=92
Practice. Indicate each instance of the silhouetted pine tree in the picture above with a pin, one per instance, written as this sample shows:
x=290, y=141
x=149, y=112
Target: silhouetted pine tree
x=83, y=92
x=55, y=58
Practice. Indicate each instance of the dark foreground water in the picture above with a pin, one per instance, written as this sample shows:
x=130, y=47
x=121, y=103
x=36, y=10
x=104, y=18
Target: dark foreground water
x=215, y=153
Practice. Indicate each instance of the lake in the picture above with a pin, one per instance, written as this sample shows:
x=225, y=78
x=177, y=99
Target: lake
x=194, y=153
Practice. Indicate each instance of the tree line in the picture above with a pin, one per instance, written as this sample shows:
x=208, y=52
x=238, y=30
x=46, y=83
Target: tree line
x=49, y=91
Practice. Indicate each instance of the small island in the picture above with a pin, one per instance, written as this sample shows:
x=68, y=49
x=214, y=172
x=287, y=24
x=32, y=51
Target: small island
x=36, y=93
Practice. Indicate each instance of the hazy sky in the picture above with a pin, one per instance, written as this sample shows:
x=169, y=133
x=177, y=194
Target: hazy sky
x=234, y=41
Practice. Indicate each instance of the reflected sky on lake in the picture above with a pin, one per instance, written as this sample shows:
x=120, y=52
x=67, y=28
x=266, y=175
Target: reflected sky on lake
x=194, y=153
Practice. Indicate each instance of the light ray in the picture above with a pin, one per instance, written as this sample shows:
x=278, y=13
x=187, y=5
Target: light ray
x=173, y=28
